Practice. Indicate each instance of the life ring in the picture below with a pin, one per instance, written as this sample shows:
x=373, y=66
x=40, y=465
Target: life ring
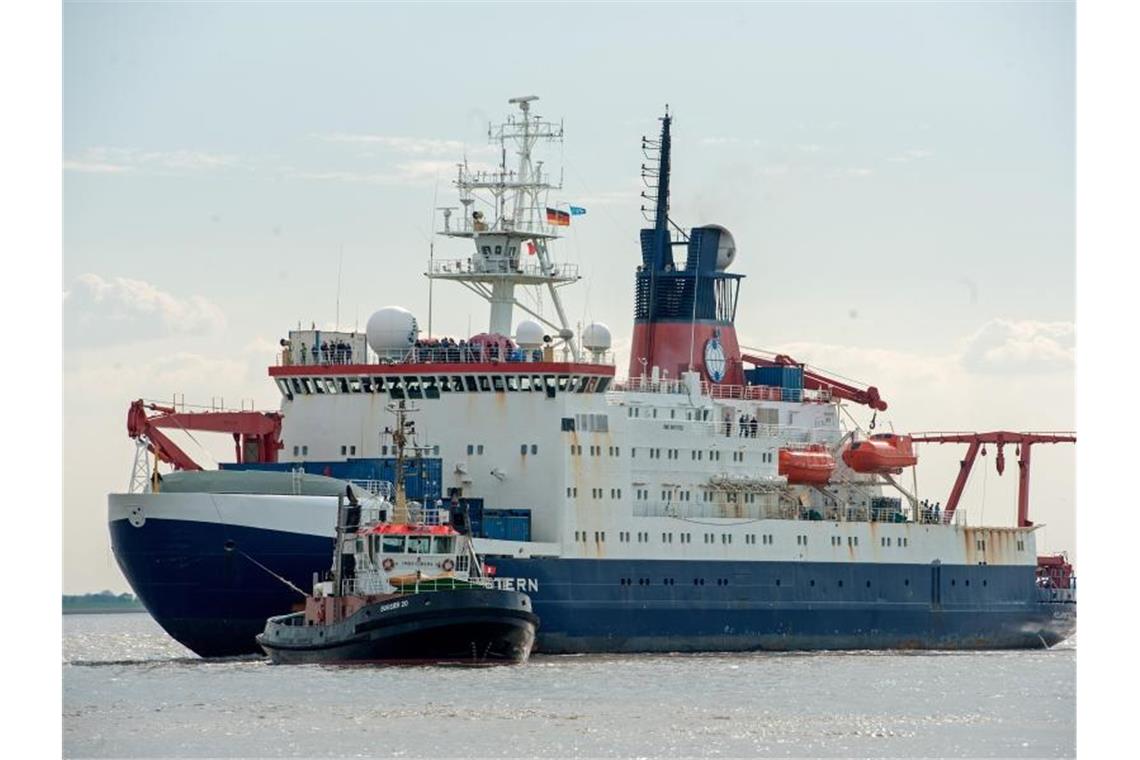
x=388, y=563
x=448, y=565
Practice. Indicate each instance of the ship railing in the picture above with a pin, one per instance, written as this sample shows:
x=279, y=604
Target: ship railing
x=418, y=513
x=462, y=225
x=739, y=509
x=731, y=430
x=479, y=266
x=442, y=352
x=765, y=393
x=1057, y=595
x=645, y=384
x=650, y=385
x=466, y=353
x=382, y=489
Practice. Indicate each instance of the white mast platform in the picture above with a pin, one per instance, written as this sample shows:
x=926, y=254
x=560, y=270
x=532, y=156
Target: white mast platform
x=504, y=216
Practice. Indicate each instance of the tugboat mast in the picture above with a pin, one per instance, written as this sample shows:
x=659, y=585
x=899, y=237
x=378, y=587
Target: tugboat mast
x=517, y=230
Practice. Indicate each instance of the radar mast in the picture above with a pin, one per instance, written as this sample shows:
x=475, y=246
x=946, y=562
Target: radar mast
x=504, y=217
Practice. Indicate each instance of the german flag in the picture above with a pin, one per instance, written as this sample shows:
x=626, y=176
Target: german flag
x=557, y=218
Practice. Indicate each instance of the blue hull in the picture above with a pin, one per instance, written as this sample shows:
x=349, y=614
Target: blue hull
x=202, y=583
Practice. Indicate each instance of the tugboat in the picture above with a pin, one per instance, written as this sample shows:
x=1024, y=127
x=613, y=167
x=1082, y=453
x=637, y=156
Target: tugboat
x=405, y=587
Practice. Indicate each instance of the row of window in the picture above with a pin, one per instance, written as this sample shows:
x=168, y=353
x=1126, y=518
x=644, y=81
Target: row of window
x=701, y=415
x=900, y=541
x=778, y=582
x=430, y=387
x=595, y=493
x=385, y=448
x=626, y=536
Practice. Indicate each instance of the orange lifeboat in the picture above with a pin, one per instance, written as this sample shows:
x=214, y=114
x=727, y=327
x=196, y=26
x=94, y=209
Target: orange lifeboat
x=811, y=465
x=882, y=453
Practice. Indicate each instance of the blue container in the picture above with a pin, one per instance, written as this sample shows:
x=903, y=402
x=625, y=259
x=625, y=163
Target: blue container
x=506, y=524
x=422, y=479
x=788, y=377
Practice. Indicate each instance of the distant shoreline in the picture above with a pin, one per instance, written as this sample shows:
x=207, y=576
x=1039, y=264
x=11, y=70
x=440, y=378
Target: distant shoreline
x=102, y=603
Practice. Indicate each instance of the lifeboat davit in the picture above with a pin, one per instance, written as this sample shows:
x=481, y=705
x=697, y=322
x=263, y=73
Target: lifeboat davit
x=808, y=465
x=881, y=454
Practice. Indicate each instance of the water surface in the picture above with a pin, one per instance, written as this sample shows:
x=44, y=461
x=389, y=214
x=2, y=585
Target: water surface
x=131, y=691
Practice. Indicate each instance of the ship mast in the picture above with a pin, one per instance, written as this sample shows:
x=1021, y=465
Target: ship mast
x=511, y=245
x=404, y=427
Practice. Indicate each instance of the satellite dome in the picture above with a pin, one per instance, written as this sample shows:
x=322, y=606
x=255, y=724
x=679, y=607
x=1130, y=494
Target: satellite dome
x=529, y=334
x=596, y=337
x=391, y=329
x=726, y=249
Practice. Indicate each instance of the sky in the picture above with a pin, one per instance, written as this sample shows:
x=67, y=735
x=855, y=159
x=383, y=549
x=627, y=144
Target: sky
x=899, y=179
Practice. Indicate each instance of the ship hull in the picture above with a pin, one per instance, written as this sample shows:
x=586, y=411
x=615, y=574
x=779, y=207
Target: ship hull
x=469, y=626
x=200, y=581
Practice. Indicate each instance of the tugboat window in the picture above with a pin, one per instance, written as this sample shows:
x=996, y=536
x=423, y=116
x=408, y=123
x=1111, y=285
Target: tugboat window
x=444, y=545
x=419, y=544
x=393, y=545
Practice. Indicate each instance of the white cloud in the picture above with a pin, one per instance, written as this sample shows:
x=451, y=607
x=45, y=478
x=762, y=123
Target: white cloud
x=416, y=172
x=409, y=145
x=1005, y=346
x=101, y=311
x=852, y=171
x=911, y=154
x=94, y=167
x=107, y=160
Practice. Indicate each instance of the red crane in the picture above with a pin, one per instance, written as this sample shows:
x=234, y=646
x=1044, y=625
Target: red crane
x=999, y=438
x=257, y=435
x=815, y=381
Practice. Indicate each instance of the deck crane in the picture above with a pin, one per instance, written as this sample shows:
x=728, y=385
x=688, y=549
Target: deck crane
x=814, y=380
x=999, y=438
x=257, y=435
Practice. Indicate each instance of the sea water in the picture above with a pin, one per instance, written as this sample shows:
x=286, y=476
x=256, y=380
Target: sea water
x=131, y=691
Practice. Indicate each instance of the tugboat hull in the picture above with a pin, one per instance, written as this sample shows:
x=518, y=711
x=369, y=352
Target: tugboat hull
x=472, y=626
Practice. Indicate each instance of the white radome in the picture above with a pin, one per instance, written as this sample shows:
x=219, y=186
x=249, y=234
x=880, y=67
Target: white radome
x=529, y=334
x=391, y=329
x=596, y=337
x=725, y=250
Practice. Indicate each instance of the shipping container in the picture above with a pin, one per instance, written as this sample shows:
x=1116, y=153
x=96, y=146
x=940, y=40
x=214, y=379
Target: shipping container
x=788, y=377
x=506, y=524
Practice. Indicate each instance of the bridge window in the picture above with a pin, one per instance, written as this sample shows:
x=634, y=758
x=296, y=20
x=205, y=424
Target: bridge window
x=393, y=545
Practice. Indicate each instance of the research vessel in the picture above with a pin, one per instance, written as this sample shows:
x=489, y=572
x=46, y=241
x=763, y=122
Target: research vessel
x=710, y=498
